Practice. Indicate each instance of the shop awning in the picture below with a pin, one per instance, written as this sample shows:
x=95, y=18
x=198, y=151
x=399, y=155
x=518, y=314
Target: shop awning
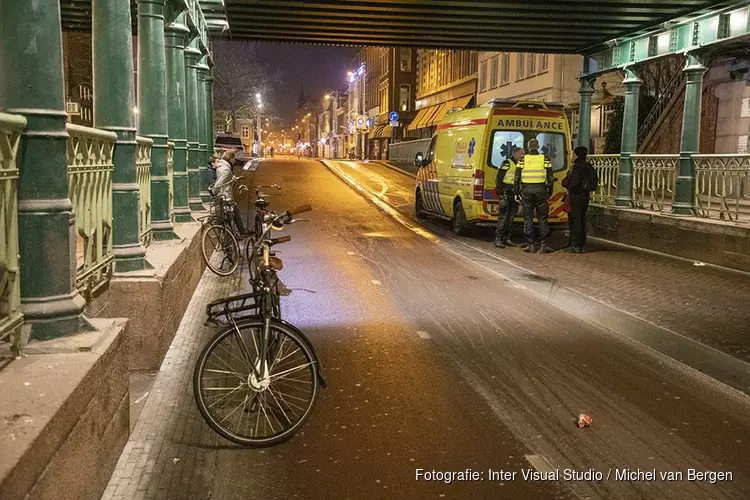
x=414, y=125
x=442, y=109
x=384, y=132
x=462, y=102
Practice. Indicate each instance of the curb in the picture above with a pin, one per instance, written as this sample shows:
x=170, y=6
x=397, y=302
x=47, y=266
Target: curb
x=396, y=169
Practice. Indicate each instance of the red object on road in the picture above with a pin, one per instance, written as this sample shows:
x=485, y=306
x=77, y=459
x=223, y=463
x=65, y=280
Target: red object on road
x=584, y=420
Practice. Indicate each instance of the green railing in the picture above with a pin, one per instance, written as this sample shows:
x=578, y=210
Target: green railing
x=90, y=190
x=143, y=176
x=607, y=168
x=11, y=318
x=170, y=174
x=722, y=185
x=654, y=180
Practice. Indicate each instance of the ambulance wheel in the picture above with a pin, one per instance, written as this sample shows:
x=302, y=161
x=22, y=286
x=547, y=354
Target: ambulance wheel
x=419, y=206
x=460, y=226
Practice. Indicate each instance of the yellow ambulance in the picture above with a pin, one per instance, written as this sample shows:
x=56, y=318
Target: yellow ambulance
x=456, y=177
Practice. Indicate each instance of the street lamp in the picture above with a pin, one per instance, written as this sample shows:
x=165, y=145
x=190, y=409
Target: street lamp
x=258, y=121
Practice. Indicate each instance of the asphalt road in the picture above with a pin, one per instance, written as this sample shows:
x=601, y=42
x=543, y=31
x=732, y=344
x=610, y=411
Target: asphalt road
x=433, y=362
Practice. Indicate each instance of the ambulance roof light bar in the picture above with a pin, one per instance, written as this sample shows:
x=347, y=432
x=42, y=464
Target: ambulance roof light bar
x=497, y=103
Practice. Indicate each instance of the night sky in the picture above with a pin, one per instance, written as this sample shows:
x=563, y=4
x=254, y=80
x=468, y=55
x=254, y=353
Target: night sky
x=320, y=67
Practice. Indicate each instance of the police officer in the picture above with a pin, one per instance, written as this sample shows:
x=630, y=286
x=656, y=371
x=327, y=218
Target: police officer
x=506, y=175
x=533, y=180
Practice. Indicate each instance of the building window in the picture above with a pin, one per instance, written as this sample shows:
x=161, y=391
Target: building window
x=405, y=60
x=245, y=131
x=505, y=69
x=531, y=63
x=520, y=66
x=404, y=94
x=483, y=76
x=607, y=113
x=543, y=63
x=742, y=145
x=745, y=108
x=574, y=121
x=494, y=71
x=383, y=97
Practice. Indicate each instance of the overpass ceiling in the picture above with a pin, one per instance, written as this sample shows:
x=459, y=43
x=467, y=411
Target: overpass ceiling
x=522, y=25
x=560, y=26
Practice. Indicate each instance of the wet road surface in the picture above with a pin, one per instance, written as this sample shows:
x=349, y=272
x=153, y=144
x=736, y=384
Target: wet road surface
x=435, y=363
x=501, y=375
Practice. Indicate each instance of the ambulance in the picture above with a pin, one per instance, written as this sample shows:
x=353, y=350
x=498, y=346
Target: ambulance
x=456, y=176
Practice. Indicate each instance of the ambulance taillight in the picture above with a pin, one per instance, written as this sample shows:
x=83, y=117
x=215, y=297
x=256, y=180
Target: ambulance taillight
x=479, y=185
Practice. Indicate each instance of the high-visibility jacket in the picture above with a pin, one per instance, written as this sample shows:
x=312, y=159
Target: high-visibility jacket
x=506, y=172
x=535, y=169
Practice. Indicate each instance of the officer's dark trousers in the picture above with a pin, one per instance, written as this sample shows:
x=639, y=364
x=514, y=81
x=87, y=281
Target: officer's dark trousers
x=535, y=201
x=506, y=215
x=579, y=205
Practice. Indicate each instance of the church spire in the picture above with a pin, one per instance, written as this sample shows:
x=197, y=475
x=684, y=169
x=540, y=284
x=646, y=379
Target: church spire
x=302, y=99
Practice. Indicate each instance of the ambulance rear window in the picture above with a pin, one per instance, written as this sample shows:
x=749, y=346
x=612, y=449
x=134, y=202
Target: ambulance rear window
x=503, y=143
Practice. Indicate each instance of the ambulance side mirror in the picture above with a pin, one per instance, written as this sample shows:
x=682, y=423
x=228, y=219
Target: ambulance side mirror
x=418, y=158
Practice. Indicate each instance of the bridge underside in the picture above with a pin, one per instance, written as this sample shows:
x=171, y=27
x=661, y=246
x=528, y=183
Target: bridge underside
x=564, y=26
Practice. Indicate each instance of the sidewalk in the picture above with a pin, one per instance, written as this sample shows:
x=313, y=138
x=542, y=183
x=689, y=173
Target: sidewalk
x=171, y=451
x=705, y=303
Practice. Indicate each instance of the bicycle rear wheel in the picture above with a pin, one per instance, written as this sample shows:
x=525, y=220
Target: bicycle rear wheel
x=221, y=251
x=251, y=410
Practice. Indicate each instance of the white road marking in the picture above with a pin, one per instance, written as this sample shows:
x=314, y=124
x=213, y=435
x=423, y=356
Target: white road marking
x=424, y=335
x=539, y=463
x=141, y=398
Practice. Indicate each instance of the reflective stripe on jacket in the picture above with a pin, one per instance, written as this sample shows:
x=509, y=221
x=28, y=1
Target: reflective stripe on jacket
x=510, y=167
x=534, y=169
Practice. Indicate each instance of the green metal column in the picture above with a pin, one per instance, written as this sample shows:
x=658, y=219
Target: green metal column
x=152, y=107
x=114, y=100
x=32, y=85
x=629, y=142
x=210, y=109
x=684, y=196
x=176, y=121
x=192, y=55
x=584, y=111
x=202, y=72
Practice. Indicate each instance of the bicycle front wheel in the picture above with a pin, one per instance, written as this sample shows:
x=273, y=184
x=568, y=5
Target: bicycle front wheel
x=221, y=251
x=256, y=409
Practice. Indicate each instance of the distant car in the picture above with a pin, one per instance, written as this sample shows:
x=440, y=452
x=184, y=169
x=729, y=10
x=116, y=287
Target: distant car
x=223, y=142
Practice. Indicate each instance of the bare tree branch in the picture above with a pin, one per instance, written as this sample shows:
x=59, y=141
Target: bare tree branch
x=239, y=75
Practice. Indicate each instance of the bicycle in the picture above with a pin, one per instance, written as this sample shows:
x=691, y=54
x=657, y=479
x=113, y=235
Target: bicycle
x=231, y=383
x=260, y=217
x=220, y=235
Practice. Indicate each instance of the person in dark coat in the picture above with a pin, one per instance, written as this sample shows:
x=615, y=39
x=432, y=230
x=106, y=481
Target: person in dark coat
x=581, y=181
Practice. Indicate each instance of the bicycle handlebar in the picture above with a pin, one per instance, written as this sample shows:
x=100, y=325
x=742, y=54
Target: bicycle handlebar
x=299, y=210
x=280, y=239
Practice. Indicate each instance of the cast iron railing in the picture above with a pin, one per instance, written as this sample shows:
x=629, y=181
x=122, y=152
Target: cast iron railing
x=11, y=318
x=722, y=187
x=143, y=175
x=607, y=168
x=170, y=174
x=654, y=178
x=90, y=190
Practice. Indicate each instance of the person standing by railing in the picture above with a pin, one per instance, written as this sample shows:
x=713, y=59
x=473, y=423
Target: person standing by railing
x=224, y=187
x=581, y=181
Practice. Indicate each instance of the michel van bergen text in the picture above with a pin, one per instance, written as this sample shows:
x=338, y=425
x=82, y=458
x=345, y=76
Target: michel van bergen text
x=712, y=477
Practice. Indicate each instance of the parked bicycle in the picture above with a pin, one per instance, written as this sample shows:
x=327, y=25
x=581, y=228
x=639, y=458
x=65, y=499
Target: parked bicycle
x=257, y=380
x=220, y=239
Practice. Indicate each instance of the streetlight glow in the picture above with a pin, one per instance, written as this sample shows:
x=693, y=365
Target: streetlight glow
x=257, y=96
